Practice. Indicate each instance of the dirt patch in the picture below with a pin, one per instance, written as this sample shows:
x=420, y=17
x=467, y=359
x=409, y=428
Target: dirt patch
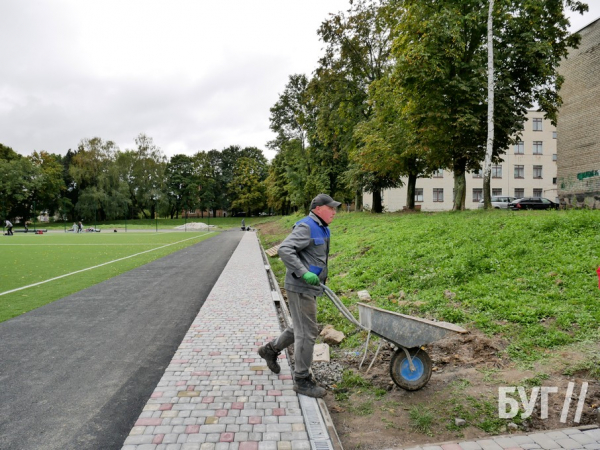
x=467, y=373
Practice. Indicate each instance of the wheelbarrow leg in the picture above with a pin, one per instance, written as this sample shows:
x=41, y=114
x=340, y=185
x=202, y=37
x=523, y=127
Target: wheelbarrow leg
x=410, y=362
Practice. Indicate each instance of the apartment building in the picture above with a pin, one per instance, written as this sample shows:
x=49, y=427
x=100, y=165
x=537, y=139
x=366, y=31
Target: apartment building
x=578, y=124
x=528, y=169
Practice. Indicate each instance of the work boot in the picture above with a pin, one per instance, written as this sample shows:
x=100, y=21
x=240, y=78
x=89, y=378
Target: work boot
x=269, y=354
x=307, y=386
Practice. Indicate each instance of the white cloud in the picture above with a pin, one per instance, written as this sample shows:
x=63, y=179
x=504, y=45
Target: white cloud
x=191, y=74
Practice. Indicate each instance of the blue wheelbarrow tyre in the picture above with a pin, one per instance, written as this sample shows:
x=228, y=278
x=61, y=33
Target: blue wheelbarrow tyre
x=401, y=373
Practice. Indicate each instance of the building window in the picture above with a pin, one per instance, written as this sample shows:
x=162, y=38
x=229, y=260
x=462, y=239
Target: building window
x=554, y=180
x=554, y=135
x=537, y=171
x=554, y=157
x=439, y=173
x=520, y=148
x=496, y=192
x=497, y=171
x=537, y=147
x=418, y=194
x=519, y=192
x=519, y=171
x=438, y=194
x=537, y=192
x=537, y=124
x=477, y=194
x=478, y=174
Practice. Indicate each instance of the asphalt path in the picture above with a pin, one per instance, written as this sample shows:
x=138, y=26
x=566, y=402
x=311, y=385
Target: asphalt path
x=76, y=373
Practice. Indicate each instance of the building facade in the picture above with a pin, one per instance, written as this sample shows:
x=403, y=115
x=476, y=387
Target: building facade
x=579, y=123
x=528, y=169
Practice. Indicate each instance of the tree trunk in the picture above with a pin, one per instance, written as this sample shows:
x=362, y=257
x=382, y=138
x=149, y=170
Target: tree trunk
x=487, y=167
x=358, y=202
x=460, y=185
x=410, y=191
x=377, y=202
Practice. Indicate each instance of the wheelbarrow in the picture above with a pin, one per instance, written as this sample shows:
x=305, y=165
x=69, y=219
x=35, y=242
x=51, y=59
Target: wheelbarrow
x=410, y=366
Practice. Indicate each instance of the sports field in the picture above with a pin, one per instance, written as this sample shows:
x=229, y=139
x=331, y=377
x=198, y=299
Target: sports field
x=38, y=269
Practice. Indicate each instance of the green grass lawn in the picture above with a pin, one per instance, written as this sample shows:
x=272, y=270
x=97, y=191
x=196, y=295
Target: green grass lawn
x=528, y=276
x=28, y=259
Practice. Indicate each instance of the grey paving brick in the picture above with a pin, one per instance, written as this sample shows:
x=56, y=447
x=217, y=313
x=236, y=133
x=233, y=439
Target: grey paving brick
x=593, y=433
x=544, y=441
x=530, y=446
x=523, y=439
x=582, y=438
x=488, y=444
x=556, y=435
x=570, y=431
x=139, y=440
x=470, y=445
x=569, y=444
x=191, y=446
x=506, y=442
x=267, y=445
x=147, y=447
x=173, y=447
x=301, y=445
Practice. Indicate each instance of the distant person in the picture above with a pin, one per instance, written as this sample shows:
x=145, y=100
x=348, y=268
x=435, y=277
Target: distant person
x=75, y=227
x=80, y=227
x=305, y=253
x=26, y=227
x=9, y=227
x=243, y=225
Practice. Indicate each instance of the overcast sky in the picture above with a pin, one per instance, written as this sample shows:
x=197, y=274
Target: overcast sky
x=192, y=74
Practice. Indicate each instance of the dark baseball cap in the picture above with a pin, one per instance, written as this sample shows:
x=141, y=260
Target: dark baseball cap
x=323, y=200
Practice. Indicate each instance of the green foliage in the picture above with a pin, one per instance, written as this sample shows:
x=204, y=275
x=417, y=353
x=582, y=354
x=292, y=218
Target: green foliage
x=421, y=419
x=351, y=382
x=440, y=74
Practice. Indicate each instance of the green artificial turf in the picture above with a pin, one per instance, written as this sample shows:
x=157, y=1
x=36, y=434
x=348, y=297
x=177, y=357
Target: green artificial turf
x=29, y=258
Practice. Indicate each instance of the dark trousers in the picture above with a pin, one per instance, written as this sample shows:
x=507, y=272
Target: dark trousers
x=303, y=332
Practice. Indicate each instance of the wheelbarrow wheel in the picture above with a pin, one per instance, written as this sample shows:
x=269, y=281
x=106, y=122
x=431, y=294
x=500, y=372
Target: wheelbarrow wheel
x=401, y=373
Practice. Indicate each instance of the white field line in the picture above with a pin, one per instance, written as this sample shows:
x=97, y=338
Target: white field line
x=95, y=267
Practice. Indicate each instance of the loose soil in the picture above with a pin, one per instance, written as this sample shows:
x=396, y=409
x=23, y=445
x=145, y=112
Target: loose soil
x=468, y=370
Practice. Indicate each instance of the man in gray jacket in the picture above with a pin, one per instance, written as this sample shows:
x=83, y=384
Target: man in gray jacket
x=305, y=253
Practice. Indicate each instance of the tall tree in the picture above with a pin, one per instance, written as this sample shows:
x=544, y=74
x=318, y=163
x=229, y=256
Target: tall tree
x=181, y=184
x=489, y=149
x=358, y=45
x=441, y=54
x=50, y=185
x=247, y=187
x=389, y=146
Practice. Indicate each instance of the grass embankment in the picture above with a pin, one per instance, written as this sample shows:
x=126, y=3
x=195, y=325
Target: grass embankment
x=529, y=277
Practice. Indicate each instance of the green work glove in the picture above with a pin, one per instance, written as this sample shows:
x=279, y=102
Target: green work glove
x=311, y=279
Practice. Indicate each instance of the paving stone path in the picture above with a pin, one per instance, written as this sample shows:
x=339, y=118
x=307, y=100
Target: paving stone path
x=217, y=394
x=568, y=438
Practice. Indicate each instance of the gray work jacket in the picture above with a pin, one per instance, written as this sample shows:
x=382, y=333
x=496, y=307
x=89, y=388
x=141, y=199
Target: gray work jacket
x=302, y=250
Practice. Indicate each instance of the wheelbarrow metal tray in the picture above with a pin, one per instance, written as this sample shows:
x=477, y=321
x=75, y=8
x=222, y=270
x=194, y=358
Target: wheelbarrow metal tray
x=402, y=330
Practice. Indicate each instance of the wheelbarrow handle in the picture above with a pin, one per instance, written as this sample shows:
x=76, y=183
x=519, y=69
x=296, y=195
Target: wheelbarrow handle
x=341, y=307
